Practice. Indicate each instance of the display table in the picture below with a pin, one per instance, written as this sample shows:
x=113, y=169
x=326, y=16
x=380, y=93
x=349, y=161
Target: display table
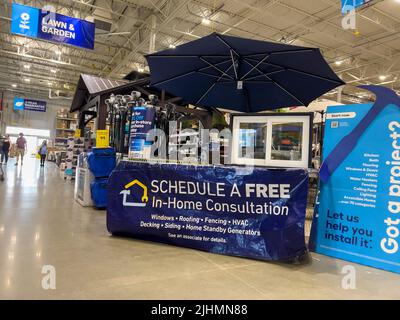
x=259, y=214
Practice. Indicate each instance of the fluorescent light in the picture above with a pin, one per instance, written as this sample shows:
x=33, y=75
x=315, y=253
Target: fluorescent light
x=14, y=85
x=206, y=21
x=27, y=80
x=50, y=83
x=172, y=46
x=140, y=70
x=27, y=66
x=53, y=70
x=382, y=77
x=339, y=62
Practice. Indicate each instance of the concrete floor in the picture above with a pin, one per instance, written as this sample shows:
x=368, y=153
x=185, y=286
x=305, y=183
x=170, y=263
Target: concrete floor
x=40, y=224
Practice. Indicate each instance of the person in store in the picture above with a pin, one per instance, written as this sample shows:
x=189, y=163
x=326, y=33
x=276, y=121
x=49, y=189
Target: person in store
x=21, y=148
x=5, y=149
x=43, y=152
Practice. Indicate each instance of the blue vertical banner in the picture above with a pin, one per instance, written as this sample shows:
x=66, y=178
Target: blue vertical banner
x=33, y=22
x=358, y=217
x=142, y=122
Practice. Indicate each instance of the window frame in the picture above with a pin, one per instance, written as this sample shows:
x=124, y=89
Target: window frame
x=269, y=119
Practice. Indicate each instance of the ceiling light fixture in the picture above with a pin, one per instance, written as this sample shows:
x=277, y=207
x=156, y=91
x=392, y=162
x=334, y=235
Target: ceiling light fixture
x=53, y=70
x=172, y=46
x=382, y=77
x=14, y=85
x=27, y=80
x=206, y=21
x=339, y=62
x=27, y=66
x=141, y=70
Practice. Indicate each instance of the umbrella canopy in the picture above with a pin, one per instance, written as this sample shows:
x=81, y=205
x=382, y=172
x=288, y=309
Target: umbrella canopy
x=242, y=74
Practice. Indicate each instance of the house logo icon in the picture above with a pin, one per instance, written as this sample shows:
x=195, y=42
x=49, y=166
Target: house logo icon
x=127, y=192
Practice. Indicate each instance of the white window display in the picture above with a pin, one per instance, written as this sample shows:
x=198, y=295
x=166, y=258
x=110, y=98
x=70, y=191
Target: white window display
x=275, y=140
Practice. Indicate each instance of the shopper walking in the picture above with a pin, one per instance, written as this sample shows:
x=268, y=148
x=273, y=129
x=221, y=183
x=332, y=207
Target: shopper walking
x=5, y=149
x=21, y=148
x=43, y=152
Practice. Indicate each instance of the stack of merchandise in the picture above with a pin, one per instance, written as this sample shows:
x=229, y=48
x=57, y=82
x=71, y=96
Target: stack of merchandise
x=102, y=162
x=69, y=172
x=75, y=147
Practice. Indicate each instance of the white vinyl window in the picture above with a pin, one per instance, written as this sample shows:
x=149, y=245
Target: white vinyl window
x=275, y=141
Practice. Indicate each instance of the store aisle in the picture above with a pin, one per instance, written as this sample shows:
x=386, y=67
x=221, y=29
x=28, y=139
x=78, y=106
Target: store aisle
x=40, y=224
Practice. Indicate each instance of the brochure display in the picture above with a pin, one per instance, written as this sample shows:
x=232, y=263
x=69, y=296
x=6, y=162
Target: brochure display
x=259, y=215
x=358, y=218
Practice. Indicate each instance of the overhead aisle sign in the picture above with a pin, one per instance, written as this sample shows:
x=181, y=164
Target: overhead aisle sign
x=358, y=217
x=55, y=27
x=29, y=104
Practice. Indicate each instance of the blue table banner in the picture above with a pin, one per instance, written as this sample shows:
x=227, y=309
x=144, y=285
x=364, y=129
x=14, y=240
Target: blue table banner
x=212, y=208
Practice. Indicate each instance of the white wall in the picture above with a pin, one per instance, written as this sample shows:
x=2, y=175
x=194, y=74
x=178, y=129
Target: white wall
x=31, y=119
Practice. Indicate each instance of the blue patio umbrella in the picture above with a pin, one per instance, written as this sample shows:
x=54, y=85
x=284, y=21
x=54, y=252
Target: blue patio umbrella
x=220, y=71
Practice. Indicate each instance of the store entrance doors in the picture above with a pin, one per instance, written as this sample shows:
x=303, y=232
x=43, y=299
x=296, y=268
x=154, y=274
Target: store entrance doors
x=34, y=138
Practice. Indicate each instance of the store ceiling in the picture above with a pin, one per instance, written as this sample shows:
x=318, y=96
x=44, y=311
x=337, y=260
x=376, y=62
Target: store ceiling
x=368, y=55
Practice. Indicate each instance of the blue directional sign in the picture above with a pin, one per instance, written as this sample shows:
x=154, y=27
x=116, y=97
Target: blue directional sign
x=36, y=23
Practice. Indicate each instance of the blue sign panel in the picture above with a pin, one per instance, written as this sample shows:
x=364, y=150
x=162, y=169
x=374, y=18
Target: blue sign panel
x=19, y=103
x=358, y=218
x=24, y=20
x=142, y=123
x=33, y=22
x=260, y=215
x=63, y=29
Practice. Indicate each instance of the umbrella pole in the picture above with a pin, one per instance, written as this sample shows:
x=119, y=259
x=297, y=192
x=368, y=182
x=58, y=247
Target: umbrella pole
x=246, y=97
